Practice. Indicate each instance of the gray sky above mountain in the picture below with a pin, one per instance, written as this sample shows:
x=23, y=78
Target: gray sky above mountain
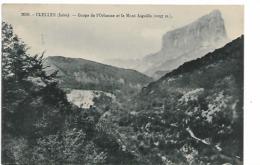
x=107, y=38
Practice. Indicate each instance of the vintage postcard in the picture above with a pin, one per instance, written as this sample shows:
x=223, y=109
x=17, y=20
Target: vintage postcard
x=122, y=84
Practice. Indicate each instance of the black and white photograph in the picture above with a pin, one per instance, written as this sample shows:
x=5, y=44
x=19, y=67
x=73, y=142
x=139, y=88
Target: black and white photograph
x=86, y=84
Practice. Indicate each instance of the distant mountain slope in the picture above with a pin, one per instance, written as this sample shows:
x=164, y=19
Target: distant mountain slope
x=76, y=73
x=189, y=42
x=196, y=110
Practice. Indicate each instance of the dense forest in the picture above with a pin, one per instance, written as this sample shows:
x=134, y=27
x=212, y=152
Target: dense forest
x=192, y=115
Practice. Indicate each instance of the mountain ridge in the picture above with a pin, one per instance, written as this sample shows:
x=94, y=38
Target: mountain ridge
x=78, y=73
x=198, y=62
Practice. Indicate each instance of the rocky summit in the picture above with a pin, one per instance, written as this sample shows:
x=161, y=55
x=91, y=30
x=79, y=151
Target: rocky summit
x=186, y=43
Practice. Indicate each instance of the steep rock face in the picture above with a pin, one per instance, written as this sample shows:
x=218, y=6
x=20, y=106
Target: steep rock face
x=207, y=30
x=76, y=73
x=189, y=42
x=85, y=98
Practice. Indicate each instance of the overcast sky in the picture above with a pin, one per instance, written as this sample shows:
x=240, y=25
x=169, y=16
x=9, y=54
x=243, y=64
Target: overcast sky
x=107, y=38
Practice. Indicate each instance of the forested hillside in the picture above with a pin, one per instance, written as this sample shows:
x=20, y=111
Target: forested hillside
x=194, y=114
x=78, y=77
